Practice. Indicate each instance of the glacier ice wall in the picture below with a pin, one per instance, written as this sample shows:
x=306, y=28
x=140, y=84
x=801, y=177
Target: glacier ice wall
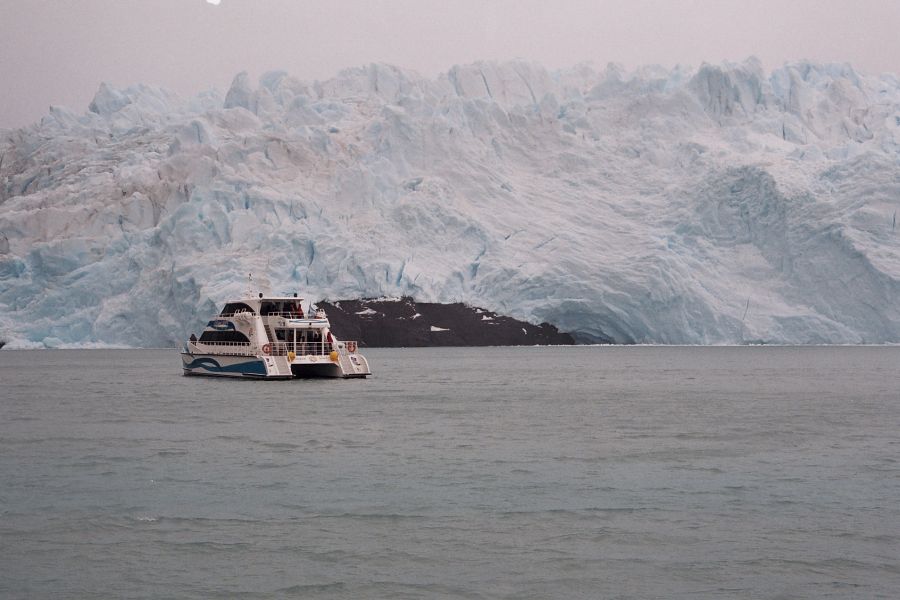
x=716, y=205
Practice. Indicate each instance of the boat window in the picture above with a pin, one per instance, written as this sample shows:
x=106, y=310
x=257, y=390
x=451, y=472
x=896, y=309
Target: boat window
x=284, y=308
x=223, y=336
x=234, y=308
x=290, y=309
x=281, y=334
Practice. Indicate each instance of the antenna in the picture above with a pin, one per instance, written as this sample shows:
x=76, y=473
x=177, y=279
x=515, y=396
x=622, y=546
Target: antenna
x=249, y=284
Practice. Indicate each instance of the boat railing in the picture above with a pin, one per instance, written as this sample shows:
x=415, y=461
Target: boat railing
x=275, y=349
x=294, y=315
x=302, y=348
x=230, y=348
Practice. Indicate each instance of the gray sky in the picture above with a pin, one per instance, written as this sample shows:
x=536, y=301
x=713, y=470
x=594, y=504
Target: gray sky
x=58, y=51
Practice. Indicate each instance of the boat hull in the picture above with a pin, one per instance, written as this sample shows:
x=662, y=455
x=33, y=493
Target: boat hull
x=270, y=367
x=217, y=365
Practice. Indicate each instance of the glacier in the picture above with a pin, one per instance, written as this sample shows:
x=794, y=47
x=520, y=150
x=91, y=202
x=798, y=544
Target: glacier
x=717, y=205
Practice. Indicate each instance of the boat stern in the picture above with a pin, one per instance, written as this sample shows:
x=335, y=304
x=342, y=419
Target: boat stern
x=339, y=363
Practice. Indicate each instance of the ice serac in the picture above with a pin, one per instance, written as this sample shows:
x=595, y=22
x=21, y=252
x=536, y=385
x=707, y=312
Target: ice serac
x=714, y=205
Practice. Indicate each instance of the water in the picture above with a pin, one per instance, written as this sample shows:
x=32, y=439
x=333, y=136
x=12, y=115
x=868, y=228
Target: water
x=456, y=473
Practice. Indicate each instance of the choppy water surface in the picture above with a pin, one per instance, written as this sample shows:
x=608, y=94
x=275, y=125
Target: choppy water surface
x=459, y=473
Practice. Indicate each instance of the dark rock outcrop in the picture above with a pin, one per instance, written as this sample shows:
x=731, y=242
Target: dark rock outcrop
x=407, y=323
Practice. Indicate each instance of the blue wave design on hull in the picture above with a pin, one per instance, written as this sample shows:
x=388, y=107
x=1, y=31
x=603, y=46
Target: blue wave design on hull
x=253, y=367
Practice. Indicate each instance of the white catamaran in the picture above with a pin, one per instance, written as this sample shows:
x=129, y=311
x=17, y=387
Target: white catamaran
x=269, y=337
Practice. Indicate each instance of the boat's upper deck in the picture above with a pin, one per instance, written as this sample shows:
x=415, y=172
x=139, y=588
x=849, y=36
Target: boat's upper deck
x=277, y=311
x=290, y=307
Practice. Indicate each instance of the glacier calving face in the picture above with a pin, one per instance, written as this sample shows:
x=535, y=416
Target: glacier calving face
x=721, y=205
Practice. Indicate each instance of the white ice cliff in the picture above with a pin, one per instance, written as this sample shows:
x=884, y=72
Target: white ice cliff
x=718, y=205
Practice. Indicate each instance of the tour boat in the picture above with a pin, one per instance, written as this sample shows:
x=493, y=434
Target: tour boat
x=269, y=337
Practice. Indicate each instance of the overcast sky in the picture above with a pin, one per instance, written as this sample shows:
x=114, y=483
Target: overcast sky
x=58, y=51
